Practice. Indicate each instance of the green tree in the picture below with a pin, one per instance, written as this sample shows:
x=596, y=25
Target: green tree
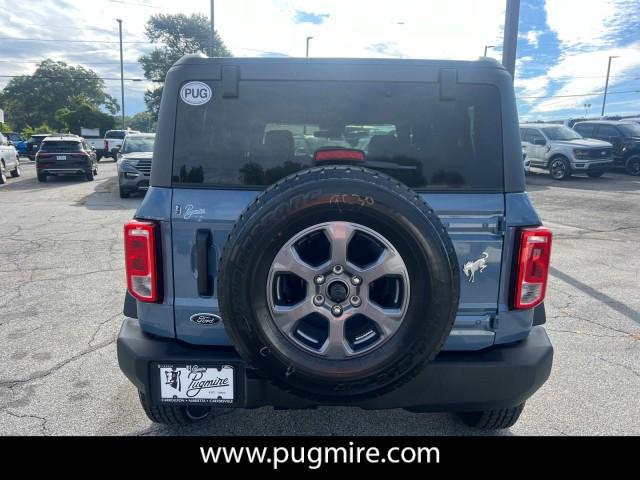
x=180, y=35
x=29, y=130
x=82, y=113
x=35, y=99
x=143, y=121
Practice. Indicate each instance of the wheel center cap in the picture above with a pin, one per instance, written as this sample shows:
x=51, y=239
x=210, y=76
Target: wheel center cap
x=338, y=291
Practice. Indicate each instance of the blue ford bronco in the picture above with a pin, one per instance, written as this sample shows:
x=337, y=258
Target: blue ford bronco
x=336, y=232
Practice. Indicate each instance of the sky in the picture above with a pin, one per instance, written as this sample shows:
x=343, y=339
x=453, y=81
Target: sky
x=563, y=45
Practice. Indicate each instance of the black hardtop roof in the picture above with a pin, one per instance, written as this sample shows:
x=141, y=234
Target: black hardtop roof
x=199, y=67
x=481, y=62
x=233, y=71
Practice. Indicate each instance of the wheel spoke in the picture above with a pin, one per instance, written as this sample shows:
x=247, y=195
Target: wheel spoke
x=334, y=346
x=288, y=261
x=387, y=319
x=339, y=234
x=285, y=317
x=389, y=263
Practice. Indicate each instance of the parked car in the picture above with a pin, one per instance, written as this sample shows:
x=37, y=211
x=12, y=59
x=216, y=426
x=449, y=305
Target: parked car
x=134, y=163
x=18, y=142
x=563, y=151
x=259, y=274
x=33, y=144
x=113, y=141
x=65, y=155
x=525, y=161
x=625, y=137
x=97, y=144
x=9, y=159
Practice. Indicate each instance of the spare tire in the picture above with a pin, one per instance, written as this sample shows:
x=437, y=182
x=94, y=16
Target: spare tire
x=338, y=284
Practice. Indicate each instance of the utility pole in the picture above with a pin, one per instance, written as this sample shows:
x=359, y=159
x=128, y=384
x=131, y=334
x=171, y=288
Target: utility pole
x=487, y=47
x=121, y=70
x=308, y=38
x=510, y=42
x=606, y=85
x=213, y=33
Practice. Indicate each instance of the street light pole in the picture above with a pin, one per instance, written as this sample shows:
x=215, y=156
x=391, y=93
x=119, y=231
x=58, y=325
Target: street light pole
x=510, y=42
x=308, y=38
x=213, y=33
x=487, y=47
x=606, y=85
x=121, y=70
x=587, y=106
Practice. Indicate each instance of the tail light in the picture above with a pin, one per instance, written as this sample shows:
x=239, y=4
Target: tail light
x=335, y=154
x=106, y=146
x=141, y=260
x=532, y=269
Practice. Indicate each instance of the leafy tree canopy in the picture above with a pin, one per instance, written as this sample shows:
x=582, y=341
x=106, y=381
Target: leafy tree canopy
x=179, y=35
x=35, y=99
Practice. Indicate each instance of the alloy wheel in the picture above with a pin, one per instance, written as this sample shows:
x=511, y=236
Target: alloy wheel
x=338, y=290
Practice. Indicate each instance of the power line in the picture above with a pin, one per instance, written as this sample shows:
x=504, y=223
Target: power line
x=59, y=77
x=148, y=5
x=580, y=94
x=64, y=40
x=71, y=61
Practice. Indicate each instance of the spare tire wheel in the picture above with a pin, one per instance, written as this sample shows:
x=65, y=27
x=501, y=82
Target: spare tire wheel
x=338, y=283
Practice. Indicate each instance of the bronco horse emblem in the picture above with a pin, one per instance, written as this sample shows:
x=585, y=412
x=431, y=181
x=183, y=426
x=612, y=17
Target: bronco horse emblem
x=470, y=268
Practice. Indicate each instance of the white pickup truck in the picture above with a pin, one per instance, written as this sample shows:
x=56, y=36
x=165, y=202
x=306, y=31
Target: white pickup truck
x=113, y=141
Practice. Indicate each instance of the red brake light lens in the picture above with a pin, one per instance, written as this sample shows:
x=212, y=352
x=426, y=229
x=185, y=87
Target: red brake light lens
x=140, y=259
x=533, y=267
x=345, y=154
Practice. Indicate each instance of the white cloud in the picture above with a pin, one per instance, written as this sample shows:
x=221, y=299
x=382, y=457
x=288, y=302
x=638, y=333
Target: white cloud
x=588, y=31
x=532, y=37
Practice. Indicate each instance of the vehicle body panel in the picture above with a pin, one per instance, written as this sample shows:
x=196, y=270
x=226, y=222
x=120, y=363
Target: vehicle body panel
x=600, y=156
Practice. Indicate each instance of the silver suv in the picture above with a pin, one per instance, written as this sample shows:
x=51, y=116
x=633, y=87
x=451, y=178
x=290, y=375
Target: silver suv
x=564, y=151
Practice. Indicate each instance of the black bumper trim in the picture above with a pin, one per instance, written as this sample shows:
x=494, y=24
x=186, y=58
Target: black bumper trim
x=499, y=377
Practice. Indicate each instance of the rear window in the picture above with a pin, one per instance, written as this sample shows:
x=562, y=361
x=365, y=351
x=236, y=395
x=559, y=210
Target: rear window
x=60, y=146
x=273, y=129
x=115, y=135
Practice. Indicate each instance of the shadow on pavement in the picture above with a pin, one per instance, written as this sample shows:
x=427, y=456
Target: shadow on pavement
x=616, y=305
x=325, y=421
x=610, y=182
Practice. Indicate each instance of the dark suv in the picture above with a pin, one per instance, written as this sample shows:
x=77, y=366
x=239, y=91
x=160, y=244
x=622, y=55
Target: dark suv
x=625, y=137
x=336, y=232
x=65, y=155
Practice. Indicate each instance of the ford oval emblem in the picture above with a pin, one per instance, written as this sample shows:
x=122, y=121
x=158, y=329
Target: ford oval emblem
x=205, y=318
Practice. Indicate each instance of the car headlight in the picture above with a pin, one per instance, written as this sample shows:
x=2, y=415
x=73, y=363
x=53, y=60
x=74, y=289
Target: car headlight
x=127, y=166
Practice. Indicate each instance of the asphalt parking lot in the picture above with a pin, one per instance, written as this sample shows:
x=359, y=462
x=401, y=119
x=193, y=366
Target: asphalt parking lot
x=62, y=285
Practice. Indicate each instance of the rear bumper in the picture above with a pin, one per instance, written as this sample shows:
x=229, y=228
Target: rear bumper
x=498, y=377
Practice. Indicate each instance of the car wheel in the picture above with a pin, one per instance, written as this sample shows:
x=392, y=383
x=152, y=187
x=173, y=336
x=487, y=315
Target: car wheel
x=559, y=168
x=124, y=193
x=492, y=419
x=42, y=177
x=595, y=174
x=16, y=171
x=354, y=290
x=89, y=175
x=633, y=166
x=173, y=414
x=3, y=175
